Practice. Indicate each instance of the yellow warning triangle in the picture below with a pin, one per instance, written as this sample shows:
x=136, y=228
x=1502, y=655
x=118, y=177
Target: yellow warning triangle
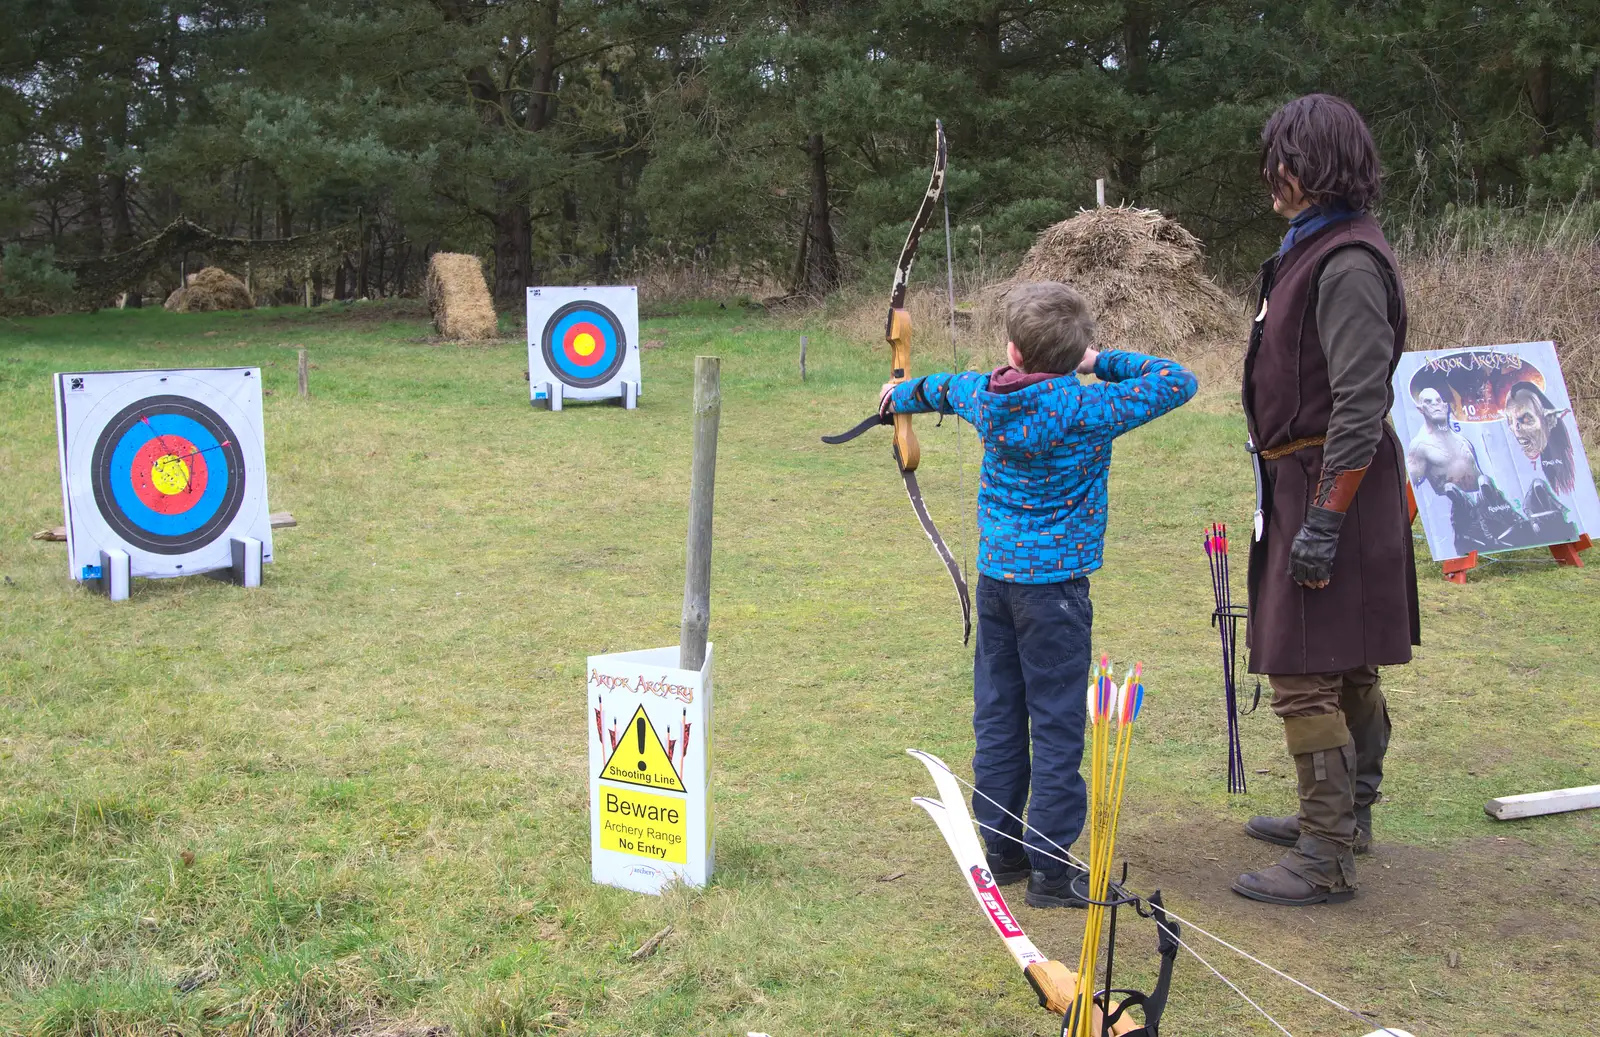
x=641, y=759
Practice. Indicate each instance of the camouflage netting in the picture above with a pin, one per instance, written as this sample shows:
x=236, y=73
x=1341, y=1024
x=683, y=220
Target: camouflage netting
x=100, y=280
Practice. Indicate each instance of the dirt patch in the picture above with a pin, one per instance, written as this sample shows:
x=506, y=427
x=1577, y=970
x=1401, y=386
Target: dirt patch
x=1495, y=885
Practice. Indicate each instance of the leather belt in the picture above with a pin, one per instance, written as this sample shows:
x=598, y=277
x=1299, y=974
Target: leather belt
x=1292, y=447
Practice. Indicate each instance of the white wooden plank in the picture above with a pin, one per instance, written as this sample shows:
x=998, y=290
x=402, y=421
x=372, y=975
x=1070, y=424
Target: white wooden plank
x=1533, y=804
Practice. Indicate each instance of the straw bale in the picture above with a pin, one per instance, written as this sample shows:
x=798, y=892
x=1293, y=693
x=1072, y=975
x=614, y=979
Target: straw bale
x=458, y=298
x=1142, y=274
x=211, y=289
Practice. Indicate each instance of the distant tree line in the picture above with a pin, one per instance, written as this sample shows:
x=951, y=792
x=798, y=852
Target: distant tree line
x=582, y=139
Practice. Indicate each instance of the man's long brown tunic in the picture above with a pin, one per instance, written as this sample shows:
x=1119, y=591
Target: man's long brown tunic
x=1321, y=355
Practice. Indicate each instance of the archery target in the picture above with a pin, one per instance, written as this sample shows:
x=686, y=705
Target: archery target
x=585, y=338
x=169, y=466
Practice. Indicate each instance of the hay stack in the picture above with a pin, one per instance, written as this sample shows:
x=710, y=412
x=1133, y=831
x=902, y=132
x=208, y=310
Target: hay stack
x=1141, y=273
x=458, y=298
x=211, y=289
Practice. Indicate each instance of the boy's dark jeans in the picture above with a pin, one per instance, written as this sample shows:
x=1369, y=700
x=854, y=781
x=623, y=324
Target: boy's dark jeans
x=1032, y=666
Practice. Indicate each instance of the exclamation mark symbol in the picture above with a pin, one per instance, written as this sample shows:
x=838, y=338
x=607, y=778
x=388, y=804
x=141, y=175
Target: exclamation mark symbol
x=639, y=730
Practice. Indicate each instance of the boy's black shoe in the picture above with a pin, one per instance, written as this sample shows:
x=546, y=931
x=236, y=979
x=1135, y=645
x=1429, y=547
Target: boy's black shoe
x=1009, y=866
x=1056, y=890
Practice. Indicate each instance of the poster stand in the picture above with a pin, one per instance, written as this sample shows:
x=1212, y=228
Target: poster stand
x=1455, y=569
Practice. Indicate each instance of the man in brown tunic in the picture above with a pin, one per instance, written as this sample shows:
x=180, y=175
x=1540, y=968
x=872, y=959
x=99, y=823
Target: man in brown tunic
x=1332, y=581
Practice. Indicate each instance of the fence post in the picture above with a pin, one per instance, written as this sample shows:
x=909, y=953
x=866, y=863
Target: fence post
x=802, y=358
x=702, y=482
x=305, y=376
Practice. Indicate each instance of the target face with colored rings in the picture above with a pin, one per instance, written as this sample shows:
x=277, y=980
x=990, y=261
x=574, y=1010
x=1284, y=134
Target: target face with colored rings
x=168, y=474
x=584, y=344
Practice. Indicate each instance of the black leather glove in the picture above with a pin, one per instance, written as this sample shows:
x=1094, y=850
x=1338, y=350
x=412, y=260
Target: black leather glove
x=1311, y=554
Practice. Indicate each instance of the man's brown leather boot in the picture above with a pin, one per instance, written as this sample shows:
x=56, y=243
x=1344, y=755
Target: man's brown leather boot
x=1321, y=869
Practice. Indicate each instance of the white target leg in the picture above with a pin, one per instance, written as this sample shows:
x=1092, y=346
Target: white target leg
x=550, y=394
x=630, y=395
x=114, y=574
x=246, y=561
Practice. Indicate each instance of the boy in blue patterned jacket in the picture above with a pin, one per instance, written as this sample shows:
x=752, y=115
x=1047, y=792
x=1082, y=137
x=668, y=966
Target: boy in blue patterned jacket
x=1041, y=530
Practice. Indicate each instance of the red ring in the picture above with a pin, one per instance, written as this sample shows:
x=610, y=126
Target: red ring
x=571, y=336
x=144, y=486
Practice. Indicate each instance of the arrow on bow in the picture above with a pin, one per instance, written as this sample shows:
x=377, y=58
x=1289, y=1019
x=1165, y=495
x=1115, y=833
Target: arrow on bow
x=897, y=331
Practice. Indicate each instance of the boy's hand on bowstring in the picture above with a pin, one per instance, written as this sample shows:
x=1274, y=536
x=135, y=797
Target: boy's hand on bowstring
x=885, y=402
x=1086, y=365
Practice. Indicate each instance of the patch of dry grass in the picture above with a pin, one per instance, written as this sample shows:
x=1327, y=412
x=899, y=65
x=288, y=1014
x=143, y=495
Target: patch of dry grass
x=1491, y=284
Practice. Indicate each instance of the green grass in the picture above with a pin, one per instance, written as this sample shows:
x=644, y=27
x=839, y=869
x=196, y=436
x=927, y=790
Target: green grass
x=356, y=799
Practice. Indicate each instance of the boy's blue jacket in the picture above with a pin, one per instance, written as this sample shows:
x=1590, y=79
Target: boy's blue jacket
x=1047, y=456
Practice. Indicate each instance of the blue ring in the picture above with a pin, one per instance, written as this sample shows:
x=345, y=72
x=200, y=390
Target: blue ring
x=613, y=340
x=146, y=517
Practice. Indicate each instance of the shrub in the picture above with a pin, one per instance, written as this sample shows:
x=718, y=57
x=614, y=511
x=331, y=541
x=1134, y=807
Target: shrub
x=31, y=283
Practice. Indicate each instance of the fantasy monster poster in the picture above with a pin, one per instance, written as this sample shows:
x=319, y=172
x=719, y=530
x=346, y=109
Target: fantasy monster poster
x=1492, y=449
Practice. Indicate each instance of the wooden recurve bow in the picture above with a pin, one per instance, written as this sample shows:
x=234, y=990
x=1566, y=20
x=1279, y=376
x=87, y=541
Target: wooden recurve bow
x=897, y=331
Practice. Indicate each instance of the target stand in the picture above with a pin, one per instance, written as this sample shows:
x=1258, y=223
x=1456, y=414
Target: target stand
x=163, y=473
x=583, y=344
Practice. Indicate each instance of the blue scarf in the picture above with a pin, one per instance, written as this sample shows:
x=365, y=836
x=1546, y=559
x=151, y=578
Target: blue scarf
x=1313, y=220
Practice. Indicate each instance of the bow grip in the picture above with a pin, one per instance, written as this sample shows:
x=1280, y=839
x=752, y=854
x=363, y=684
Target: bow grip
x=906, y=449
x=1056, y=985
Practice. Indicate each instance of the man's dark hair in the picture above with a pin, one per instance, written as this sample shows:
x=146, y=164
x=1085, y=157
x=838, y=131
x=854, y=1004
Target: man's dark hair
x=1323, y=143
x=1051, y=325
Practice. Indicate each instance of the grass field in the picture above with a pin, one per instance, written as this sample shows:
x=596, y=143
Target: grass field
x=355, y=800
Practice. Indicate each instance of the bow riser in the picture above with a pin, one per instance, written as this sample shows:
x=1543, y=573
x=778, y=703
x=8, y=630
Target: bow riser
x=907, y=450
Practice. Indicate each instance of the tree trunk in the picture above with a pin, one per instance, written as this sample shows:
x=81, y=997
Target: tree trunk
x=339, y=285
x=1539, y=100
x=513, y=254
x=383, y=251
x=987, y=29
x=1594, y=130
x=1132, y=147
x=819, y=257
x=93, y=209
x=122, y=229
x=401, y=263
x=567, y=233
x=364, y=262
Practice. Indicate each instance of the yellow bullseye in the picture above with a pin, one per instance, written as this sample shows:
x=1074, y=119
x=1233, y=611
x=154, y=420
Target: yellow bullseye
x=170, y=474
x=584, y=344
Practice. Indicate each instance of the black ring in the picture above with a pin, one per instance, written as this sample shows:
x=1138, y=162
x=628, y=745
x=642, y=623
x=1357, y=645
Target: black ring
x=100, y=475
x=548, y=345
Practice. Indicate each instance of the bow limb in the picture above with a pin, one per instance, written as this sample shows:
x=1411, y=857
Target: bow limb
x=897, y=332
x=897, y=328
x=1055, y=984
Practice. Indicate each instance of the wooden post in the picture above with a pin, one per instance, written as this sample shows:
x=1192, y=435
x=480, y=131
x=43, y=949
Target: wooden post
x=305, y=376
x=308, y=286
x=702, y=481
x=1100, y=193
x=802, y=358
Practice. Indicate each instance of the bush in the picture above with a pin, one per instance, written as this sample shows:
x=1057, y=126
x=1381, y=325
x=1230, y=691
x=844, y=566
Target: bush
x=31, y=283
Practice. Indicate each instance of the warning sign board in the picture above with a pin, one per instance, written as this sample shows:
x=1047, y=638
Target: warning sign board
x=648, y=725
x=644, y=825
x=640, y=759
